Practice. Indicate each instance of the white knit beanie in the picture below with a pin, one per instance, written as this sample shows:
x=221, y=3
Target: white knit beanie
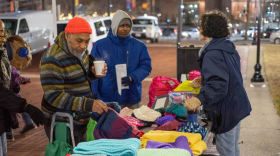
x=145, y=113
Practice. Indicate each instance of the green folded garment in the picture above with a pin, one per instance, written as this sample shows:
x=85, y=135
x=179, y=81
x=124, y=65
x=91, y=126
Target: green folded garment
x=163, y=152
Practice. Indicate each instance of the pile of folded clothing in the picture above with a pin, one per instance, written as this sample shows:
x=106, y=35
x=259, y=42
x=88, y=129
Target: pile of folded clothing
x=196, y=145
x=112, y=126
x=112, y=147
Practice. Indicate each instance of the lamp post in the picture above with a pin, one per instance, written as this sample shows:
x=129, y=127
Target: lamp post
x=54, y=17
x=257, y=77
x=255, y=16
x=108, y=7
x=272, y=12
x=179, y=32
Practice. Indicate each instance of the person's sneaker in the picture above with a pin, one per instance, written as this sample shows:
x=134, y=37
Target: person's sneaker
x=27, y=128
x=10, y=137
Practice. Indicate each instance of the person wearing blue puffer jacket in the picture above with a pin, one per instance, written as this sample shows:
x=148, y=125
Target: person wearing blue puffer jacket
x=119, y=47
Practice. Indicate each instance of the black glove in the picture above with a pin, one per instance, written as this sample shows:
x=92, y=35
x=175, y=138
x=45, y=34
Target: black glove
x=36, y=114
x=127, y=81
x=16, y=89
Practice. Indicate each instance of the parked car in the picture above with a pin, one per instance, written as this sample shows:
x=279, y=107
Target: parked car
x=191, y=33
x=251, y=32
x=275, y=37
x=268, y=32
x=146, y=27
x=35, y=27
x=99, y=25
x=169, y=32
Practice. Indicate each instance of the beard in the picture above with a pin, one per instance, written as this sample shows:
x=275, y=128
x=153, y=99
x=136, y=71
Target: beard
x=75, y=52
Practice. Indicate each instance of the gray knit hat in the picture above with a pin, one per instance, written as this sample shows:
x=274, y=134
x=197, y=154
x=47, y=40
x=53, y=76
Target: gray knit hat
x=125, y=21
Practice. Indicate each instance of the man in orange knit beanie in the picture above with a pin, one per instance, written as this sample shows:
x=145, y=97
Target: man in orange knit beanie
x=66, y=70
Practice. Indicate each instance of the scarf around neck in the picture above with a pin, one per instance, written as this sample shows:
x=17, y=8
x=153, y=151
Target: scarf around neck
x=6, y=68
x=204, y=47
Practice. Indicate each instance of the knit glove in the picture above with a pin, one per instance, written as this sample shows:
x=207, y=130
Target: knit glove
x=36, y=114
x=192, y=104
x=127, y=81
x=195, y=83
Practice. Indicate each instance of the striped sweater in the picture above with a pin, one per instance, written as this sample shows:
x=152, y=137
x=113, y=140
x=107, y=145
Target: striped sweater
x=65, y=80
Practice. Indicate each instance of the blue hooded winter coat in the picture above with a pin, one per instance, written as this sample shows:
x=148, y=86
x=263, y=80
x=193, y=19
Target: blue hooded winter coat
x=118, y=50
x=222, y=94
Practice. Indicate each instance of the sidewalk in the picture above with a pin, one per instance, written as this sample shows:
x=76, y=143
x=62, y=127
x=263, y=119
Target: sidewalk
x=260, y=132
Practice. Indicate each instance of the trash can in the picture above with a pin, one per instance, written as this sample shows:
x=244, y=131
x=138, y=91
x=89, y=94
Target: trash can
x=187, y=60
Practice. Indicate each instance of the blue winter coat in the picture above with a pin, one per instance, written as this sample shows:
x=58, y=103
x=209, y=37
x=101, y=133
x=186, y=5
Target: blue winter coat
x=117, y=50
x=222, y=94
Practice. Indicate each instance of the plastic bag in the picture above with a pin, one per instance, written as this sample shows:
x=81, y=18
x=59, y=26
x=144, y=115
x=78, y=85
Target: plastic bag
x=194, y=74
x=186, y=87
x=160, y=86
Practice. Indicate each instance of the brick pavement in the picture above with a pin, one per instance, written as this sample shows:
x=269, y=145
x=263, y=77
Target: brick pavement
x=34, y=142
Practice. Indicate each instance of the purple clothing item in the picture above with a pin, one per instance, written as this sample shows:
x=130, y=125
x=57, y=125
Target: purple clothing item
x=180, y=142
x=14, y=84
x=182, y=124
x=165, y=119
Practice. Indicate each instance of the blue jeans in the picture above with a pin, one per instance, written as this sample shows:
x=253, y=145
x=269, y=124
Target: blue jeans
x=26, y=119
x=227, y=143
x=3, y=145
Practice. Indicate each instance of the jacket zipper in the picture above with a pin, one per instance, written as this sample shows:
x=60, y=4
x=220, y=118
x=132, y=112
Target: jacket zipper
x=127, y=59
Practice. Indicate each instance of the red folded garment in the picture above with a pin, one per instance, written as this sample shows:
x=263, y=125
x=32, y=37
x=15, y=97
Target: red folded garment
x=133, y=121
x=170, y=114
x=169, y=126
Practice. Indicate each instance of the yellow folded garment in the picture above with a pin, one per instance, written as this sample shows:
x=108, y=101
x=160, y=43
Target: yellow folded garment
x=186, y=86
x=194, y=139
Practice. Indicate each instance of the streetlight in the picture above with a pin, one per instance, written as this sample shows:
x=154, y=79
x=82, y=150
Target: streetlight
x=272, y=15
x=257, y=77
x=255, y=16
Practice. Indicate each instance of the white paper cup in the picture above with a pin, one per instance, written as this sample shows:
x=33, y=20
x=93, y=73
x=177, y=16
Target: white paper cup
x=98, y=65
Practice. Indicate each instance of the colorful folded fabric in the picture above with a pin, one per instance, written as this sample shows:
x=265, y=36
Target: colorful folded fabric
x=133, y=121
x=114, y=105
x=182, y=119
x=126, y=112
x=169, y=126
x=112, y=147
x=192, y=126
x=112, y=126
x=181, y=142
x=182, y=124
x=194, y=139
x=165, y=119
x=165, y=114
x=178, y=110
x=161, y=110
x=163, y=152
x=146, y=114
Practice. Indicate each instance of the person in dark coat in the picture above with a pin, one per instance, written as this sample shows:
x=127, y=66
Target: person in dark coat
x=9, y=102
x=222, y=94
